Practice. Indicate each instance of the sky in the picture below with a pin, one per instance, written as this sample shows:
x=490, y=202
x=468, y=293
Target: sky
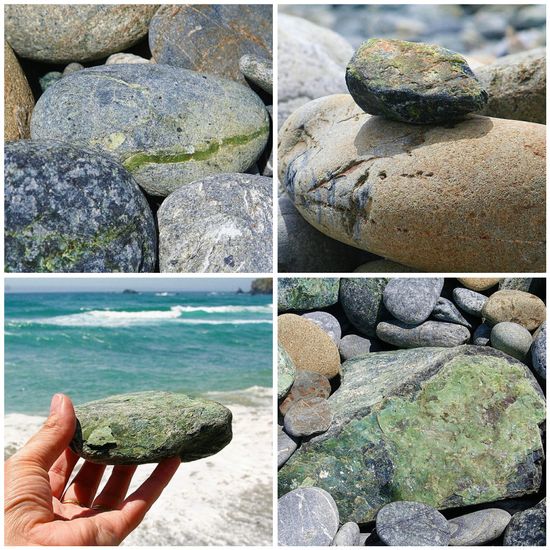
x=118, y=284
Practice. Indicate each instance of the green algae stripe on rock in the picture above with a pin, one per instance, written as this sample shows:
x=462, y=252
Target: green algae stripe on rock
x=168, y=126
x=144, y=427
x=445, y=427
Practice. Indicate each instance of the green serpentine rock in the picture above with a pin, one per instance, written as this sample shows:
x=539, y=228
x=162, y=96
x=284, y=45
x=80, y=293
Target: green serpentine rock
x=145, y=427
x=446, y=427
x=304, y=293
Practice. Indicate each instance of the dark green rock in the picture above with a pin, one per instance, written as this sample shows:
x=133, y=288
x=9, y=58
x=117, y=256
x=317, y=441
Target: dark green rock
x=307, y=293
x=445, y=427
x=412, y=82
x=144, y=427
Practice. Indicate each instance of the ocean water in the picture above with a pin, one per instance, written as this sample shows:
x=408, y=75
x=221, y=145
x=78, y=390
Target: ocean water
x=91, y=345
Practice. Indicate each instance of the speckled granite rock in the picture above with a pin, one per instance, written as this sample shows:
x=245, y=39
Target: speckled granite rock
x=538, y=351
x=71, y=32
x=515, y=306
x=73, y=210
x=527, y=528
x=512, y=339
x=307, y=517
x=327, y=322
x=362, y=302
x=219, y=224
x=479, y=284
x=306, y=384
x=403, y=192
x=143, y=427
x=397, y=419
x=516, y=85
x=428, y=334
x=258, y=70
x=18, y=98
x=286, y=372
x=412, y=82
x=311, y=63
x=478, y=527
x=308, y=416
x=301, y=293
x=353, y=345
x=168, y=126
x=445, y=310
x=469, y=301
x=515, y=283
x=211, y=38
x=348, y=535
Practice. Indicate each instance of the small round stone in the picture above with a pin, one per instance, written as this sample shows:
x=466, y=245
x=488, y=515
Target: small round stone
x=308, y=416
x=286, y=372
x=327, y=322
x=538, y=351
x=258, y=70
x=412, y=524
x=515, y=306
x=479, y=284
x=348, y=535
x=512, y=339
x=119, y=58
x=72, y=68
x=469, y=301
x=353, y=345
x=306, y=384
x=307, y=516
x=428, y=334
x=478, y=527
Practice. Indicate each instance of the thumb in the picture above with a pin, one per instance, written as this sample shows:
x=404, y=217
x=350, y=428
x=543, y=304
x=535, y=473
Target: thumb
x=55, y=435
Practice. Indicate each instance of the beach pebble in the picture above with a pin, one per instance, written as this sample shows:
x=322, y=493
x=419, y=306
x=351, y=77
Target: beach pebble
x=515, y=283
x=412, y=300
x=311, y=63
x=348, y=535
x=445, y=310
x=307, y=516
x=302, y=293
x=413, y=82
x=412, y=524
x=211, y=38
x=286, y=372
x=286, y=445
x=384, y=266
x=430, y=333
x=49, y=79
x=362, y=301
x=478, y=527
x=73, y=210
x=219, y=224
x=121, y=58
x=72, y=68
x=145, y=427
x=327, y=322
x=306, y=384
x=512, y=339
x=482, y=335
x=515, y=306
x=309, y=346
x=405, y=192
x=70, y=32
x=538, y=351
x=168, y=126
x=258, y=70
x=18, y=98
x=308, y=416
x=479, y=285
x=352, y=345
x=469, y=301
x=527, y=528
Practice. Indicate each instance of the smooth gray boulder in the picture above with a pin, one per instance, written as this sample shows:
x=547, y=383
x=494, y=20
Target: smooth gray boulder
x=327, y=322
x=478, y=527
x=353, y=345
x=258, y=70
x=348, y=535
x=512, y=339
x=428, y=334
x=469, y=301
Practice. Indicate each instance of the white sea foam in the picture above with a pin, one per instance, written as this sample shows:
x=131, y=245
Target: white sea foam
x=164, y=294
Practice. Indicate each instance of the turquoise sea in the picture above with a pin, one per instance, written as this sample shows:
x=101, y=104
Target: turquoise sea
x=91, y=345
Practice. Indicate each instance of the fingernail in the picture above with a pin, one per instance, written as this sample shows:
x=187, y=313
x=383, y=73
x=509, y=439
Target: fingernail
x=57, y=401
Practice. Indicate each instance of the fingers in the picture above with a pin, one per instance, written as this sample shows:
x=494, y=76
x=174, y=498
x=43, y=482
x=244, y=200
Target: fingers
x=84, y=487
x=113, y=493
x=61, y=471
x=55, y=435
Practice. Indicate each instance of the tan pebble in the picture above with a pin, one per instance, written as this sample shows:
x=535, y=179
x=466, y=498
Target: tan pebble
x=514, y=306
x=478, y=284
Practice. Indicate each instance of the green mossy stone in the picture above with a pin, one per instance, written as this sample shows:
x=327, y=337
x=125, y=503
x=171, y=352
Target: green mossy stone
x=445, y=427
x=299, y=293
x=145, y=427
x=286, y=372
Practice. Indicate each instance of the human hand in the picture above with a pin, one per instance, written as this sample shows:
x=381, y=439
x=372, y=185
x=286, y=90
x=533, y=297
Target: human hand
x=39, y=511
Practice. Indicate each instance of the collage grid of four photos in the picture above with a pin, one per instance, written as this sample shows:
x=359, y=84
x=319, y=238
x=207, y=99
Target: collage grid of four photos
x=274, y=274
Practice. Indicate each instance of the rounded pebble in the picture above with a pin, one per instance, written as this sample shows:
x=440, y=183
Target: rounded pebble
x=428, y=334
x=353, y=345
x=512, y=339
x=515, y=306
x=478, y=527
x=477, y=284
x=308, y=416
x=469, y=301
x=327, y=322
x=306, y=384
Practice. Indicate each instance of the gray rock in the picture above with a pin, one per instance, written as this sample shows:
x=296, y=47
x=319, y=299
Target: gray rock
x=478, y=527
x=307, y=516
x=362, y=301
x=311, y=63
x=144, y=427
x=258, y=70
x=348, y=535
x=301, y=293
x=308, y=416
x=218, y=224
x=527, y=528
x=327, y=322
x=211, y=38
x=469, y=301
x=303, y=249
x=49, y=79
x=286, y=372
x=482, y=335
x=512, y=339
x=428, y=334
x=70, y=32
x=412, y=524
x=411, y=299
x=353, y=345
x=515, y=283
x=445, y=310
x=538, y=351
x=168, y=126
x=363, y=538
x=286, y=445
x=306, y=384
x=73, y=210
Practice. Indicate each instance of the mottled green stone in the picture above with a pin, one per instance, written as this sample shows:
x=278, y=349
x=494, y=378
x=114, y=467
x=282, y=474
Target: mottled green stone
x=300, y=293
x=286, y=372
x=445, y=427
x=144, y=427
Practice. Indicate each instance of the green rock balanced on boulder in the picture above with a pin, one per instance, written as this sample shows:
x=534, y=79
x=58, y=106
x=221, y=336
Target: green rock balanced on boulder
x=410, y=82
x=145, y=427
